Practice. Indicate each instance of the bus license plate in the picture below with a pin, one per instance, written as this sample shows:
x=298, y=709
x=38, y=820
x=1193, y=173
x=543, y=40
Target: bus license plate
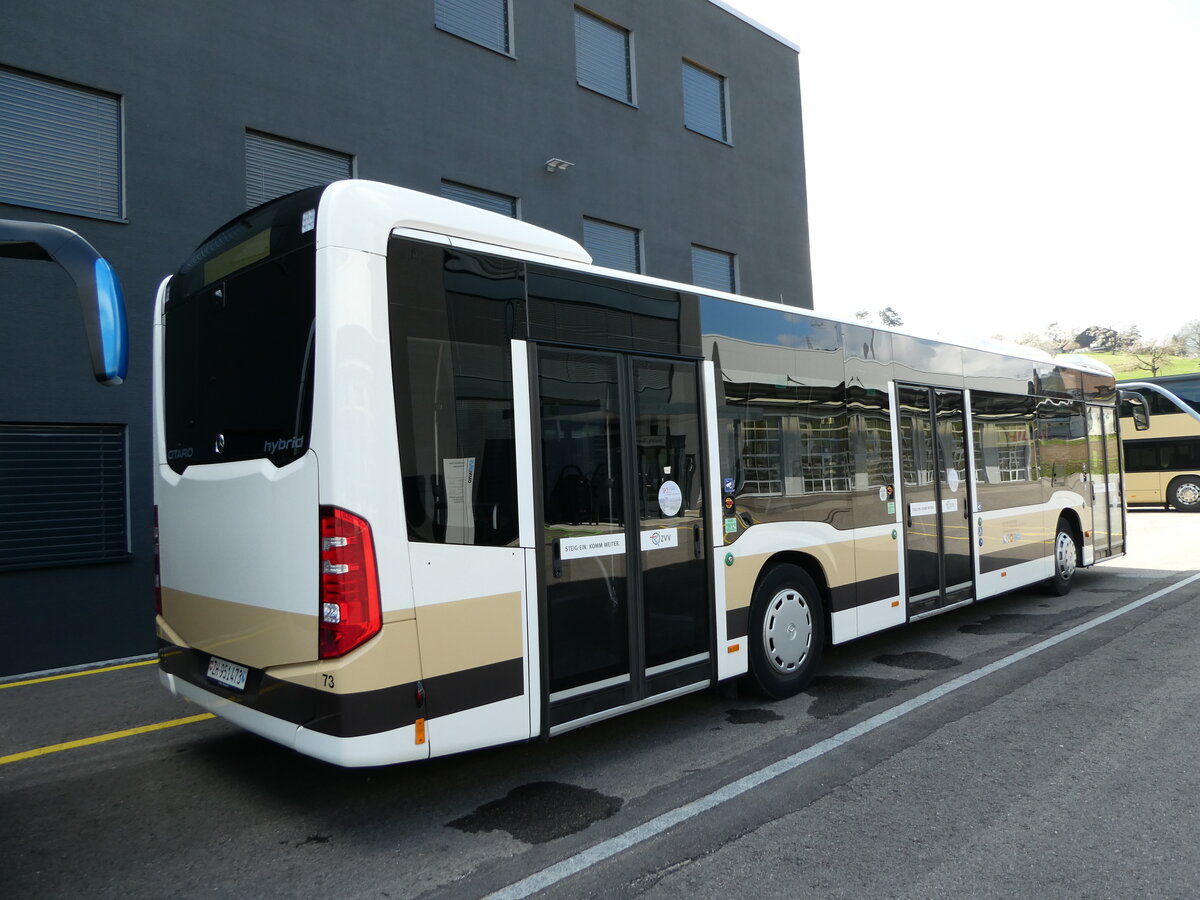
x=227, y=673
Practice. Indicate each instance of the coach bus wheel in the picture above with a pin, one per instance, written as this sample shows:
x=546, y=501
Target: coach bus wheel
x=1184, y=493
x=1064, y=559
x=787, y=632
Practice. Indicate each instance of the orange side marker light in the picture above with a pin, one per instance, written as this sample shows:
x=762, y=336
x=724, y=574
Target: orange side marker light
x=733, y=648
x=420, y=723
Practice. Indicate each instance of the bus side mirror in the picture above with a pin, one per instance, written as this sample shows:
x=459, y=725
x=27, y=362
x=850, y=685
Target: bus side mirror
x=100, y=296
x=1134, y=404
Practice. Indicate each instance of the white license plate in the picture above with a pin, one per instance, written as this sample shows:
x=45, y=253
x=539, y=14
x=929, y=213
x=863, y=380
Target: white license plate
x=227, y=673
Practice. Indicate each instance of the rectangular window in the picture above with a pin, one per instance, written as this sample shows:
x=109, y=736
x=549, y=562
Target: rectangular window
x=238, y=344
x=713, y=269
x=1004, y=435
x=275, y=166
x=602, y=61
x=613, y=246
x=60, y=147
x=484, y=22
x=498, y=203
x=704, y=102
x=63, y=495
x=1162, y=455
x=762, y=459
x=453, y=316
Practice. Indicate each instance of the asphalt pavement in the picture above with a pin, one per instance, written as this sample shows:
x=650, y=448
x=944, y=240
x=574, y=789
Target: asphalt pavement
x=1029, y=744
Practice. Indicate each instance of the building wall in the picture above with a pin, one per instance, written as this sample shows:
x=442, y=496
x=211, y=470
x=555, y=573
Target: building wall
x=414, y=105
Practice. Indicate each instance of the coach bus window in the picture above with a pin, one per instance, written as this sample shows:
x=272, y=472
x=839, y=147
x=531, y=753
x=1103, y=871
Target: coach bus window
x=452, y=316
x=785, y=436
x=1062, y=438
x=1004, y=431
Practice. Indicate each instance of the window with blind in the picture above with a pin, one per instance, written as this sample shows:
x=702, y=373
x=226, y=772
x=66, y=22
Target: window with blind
x=275, y=167
x=60, y=147
x=484, y=22
x=713, y=269
x=499, y=203
x=63, y=495
x=613, y=246
x=704, y=102
x=602, y=60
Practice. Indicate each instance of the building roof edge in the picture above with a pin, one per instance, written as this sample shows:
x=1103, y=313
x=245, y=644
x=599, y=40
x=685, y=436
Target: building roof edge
x=755, y=24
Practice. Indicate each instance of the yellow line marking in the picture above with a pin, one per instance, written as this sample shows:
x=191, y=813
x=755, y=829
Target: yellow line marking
x=101, y=738
x=12, y=684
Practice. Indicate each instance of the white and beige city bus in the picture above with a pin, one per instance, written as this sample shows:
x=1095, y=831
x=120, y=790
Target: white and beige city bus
x=428, y=480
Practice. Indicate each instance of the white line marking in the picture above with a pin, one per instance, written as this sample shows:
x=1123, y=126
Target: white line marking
x=572, y=865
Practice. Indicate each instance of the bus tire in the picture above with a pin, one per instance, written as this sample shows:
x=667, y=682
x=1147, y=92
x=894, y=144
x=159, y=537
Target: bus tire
x=1183, y=493
x=787, y=632
x=1066, y=556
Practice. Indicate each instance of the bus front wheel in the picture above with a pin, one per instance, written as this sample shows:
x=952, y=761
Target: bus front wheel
x=1184, y=493
x=787, y=632
x=1065, y=559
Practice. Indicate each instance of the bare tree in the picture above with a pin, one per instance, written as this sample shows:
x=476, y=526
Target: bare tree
x=1151, y=356
x=1189, y=338
x=1130, y=339
x=1058, y=339
x=887, y=316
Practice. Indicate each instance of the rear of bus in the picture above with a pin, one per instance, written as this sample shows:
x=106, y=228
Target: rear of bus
x=269, y=602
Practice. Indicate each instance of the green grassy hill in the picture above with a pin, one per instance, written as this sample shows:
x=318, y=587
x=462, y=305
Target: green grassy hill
x=1128, y=369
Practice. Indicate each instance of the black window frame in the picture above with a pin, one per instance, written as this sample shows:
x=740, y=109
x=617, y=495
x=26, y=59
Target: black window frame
x=480, y=198
x=614, y=228
x=587, y=41
x=98, y=142
x=694, y=116
x=446, y=20
x=68, y=482
x=259, y=143
x=713, y=253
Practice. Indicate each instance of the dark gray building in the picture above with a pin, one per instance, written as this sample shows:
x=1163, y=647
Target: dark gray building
x=664, y=136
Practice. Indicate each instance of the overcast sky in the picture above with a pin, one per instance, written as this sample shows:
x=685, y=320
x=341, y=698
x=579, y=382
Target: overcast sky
x=995, y=167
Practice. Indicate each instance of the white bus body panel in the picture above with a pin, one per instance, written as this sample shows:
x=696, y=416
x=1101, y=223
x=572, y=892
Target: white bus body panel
x=472, y=611
x=244, y=532
x=354, y=413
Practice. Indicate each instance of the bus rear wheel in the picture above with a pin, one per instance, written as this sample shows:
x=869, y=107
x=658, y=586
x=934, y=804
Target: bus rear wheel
x=1184, y=493
x=1065, y=560
x=787, y=632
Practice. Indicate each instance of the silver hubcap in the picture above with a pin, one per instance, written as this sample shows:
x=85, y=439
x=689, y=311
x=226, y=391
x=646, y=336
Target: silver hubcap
x=1064, y=555
x=787, y=630
x=1188, y=493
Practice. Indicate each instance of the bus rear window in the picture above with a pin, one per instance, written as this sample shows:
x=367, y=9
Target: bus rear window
x=238, y=365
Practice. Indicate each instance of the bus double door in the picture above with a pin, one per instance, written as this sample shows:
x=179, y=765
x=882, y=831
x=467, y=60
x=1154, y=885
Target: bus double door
x=935, y=477
x=624, y=587
x=1104, y=465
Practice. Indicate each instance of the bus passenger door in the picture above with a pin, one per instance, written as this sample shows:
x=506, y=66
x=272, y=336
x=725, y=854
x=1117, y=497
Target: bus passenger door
x=624, y=582
x=1104, y=464
x=936, y=496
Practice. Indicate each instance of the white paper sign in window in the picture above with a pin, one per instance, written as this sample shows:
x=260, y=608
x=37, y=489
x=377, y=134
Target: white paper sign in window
x=670, y=498
x=591, y=545
x=660, y=539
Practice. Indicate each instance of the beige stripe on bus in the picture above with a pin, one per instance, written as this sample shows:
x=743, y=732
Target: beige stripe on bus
x=251, y=635
x=467, y=634
x=836, y=560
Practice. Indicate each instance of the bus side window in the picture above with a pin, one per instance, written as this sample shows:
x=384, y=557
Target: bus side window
x=452, y=317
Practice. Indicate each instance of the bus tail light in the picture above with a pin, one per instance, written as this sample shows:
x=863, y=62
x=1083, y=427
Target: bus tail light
x=157, y=569
x=350, y=610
